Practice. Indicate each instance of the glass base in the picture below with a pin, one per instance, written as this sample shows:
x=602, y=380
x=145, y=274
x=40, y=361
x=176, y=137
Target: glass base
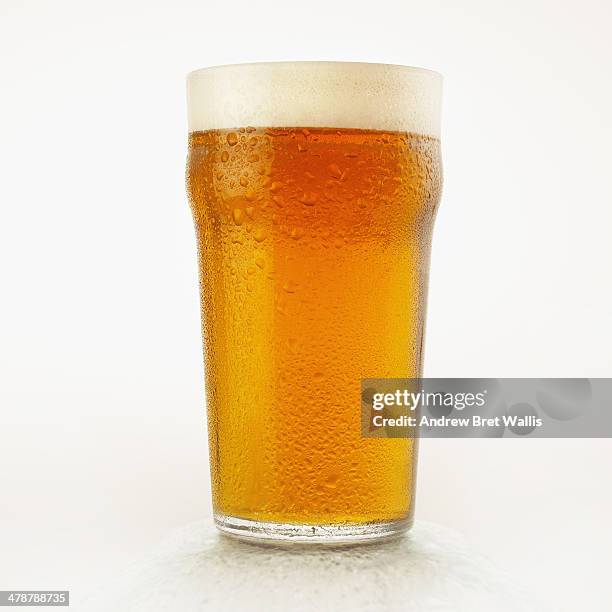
x=318, y=534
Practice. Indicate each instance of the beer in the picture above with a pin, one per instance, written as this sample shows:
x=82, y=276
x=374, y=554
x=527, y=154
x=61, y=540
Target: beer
x=313, y=249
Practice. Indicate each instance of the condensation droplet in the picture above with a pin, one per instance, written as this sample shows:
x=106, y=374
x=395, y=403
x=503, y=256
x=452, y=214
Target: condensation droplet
x=232, y=139
x=335, y=171
x=260, y=234
x=238, y=216
x=309, y=198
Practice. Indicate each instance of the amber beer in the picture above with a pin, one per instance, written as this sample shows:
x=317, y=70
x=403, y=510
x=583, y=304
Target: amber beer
x=313, y=218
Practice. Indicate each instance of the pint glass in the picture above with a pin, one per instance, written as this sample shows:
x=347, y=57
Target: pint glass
x=314, y=187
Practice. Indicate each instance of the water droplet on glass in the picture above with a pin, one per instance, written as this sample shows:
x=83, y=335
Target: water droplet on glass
x=260, y=234
x=238, y=216
x=309, y=198
x=335, y=171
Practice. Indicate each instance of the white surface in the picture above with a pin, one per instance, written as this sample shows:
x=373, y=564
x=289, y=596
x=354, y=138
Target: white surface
x=102, y=447
x=197, y=570
x=315, y=94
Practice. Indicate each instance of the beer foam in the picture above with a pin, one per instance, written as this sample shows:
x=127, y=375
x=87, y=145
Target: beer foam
x=315, y=94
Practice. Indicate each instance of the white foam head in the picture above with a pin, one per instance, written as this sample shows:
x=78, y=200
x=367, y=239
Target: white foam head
x=315, y=94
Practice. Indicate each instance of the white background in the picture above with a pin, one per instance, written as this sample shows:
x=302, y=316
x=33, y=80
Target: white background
x=102, y=438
